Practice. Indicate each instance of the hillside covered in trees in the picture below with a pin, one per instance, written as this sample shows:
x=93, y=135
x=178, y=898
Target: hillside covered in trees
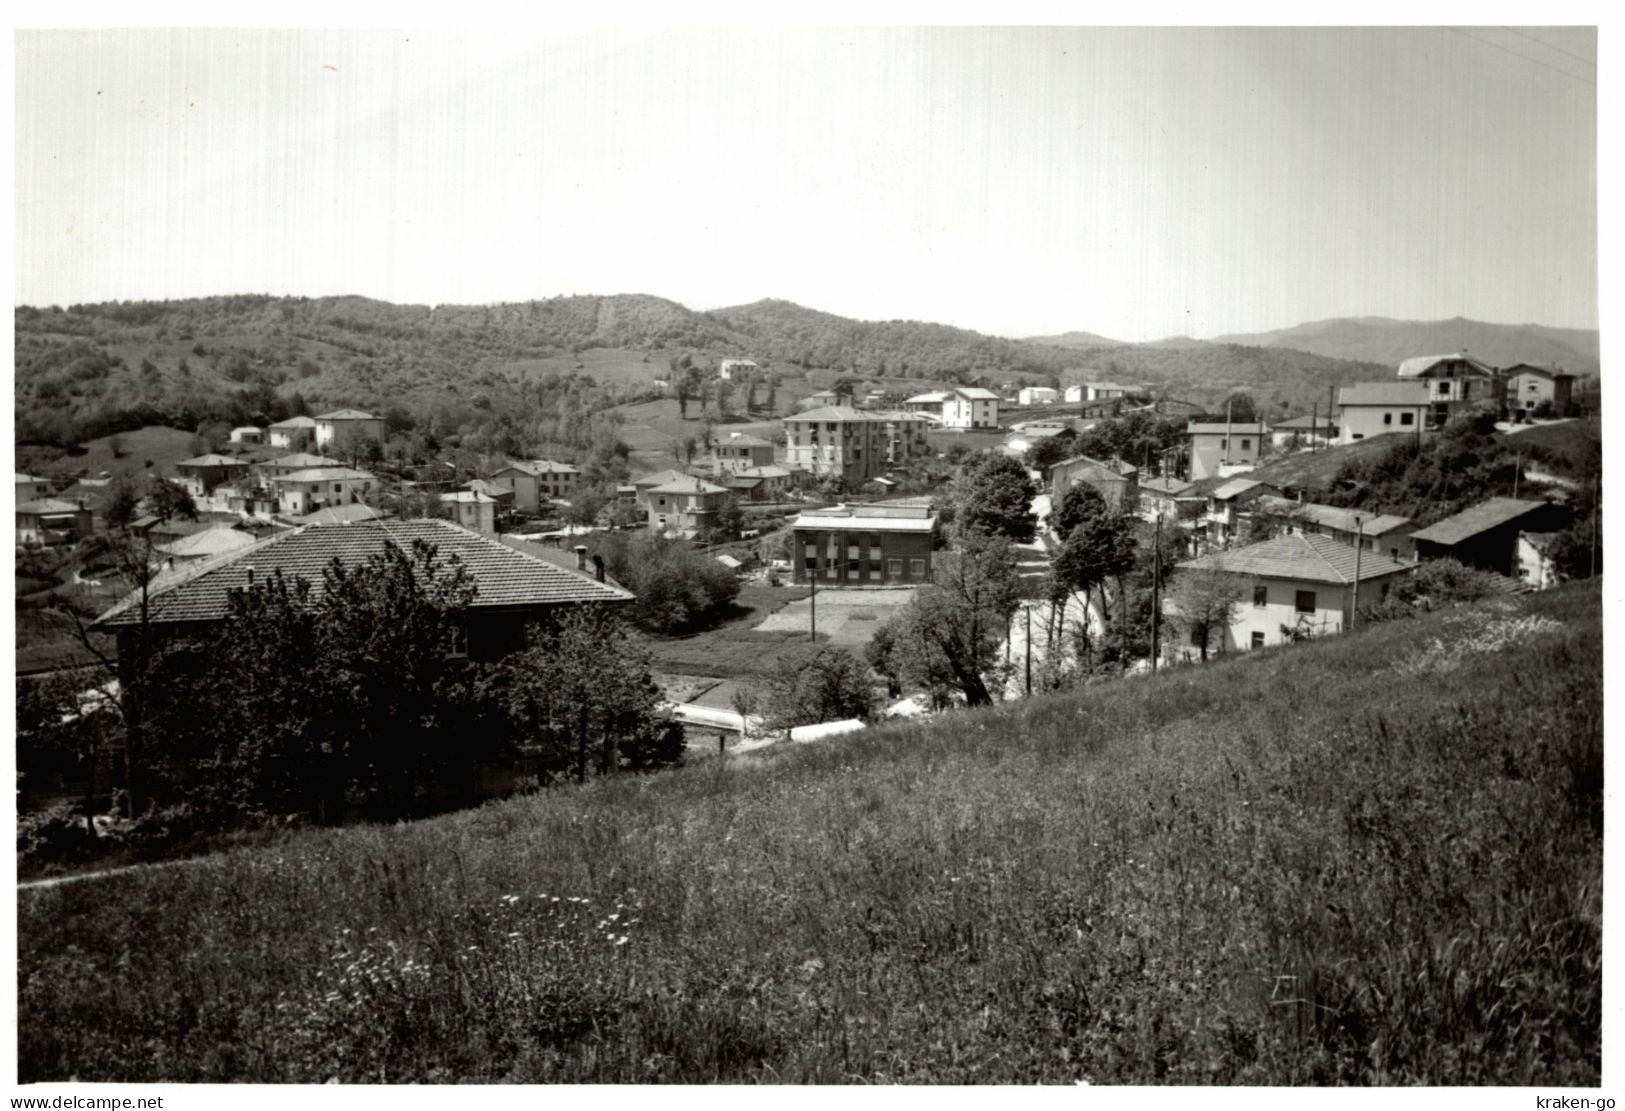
x=512, y=374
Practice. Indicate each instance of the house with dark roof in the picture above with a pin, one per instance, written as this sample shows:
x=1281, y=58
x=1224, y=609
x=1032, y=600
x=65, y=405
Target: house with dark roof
x=512, y=588
x=1292, y=587
x=1486, y=535
x=1386, y=533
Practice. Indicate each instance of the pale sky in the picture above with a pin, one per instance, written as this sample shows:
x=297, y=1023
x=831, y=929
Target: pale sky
x=1137, y=183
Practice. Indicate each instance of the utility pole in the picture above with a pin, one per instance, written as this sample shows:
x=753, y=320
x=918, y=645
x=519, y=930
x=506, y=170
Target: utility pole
x=1029, y=611
x=1156, y=592
x=1314, y=424
x=1227, y=408
x=1359, y=542
x=1596, y=511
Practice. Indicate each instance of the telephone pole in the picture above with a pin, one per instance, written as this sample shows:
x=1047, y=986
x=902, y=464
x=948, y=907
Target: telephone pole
x=1156, y=593
x=1359, y=542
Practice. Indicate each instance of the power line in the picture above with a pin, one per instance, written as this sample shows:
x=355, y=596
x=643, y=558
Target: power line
x=1518, y=54
x=1551, y=46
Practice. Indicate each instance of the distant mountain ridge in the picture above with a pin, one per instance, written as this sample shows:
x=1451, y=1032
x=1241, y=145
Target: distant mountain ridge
x=1083, y=340
x=1388, y=341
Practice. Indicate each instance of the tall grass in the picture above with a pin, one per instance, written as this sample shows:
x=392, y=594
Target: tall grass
x=1362, y=861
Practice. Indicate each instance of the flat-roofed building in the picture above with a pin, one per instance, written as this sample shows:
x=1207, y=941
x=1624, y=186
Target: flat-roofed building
x=865, y=545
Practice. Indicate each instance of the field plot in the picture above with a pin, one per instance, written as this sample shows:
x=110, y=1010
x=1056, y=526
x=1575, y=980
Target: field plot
x=845, y=617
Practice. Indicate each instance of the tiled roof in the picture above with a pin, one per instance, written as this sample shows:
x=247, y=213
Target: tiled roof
x=740, y=439
x=503, y=576
x=1304, y=558
x=1208, y=428
x=342, y=515
x=208, y=542
x=770, y=470
x=213, y=459
x=1476, y=519
x=299, y=460
x=324, y=474
x=1235, y=487
x=294, y=422
x=975, y=393
x=935, y=397
x=1538, y=368
x=49, y=505
x=1332, y=516
x=1166, y=485
x=1417, y=367
x=864, y=523
x=1110, y=472
x=536, y=467
x=659, y=478
x=1305, y=421
x=847, y=413
x=346, y=414
x=1383, y=393
x=689, y=485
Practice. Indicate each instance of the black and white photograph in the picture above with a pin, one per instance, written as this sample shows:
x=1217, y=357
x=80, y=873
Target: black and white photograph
x=708, y=551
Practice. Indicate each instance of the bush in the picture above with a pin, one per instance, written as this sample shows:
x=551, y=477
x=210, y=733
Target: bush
x=52, y=836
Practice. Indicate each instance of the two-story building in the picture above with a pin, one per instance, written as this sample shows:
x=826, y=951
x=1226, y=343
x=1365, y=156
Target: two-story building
x=50, y=521
x=348, y=430
x=534, y=481
x=851, y=444
x=730, y=370
x=30, y=487
x=200, y=474
x=1037, y=395
x=472, y=509
x=295, y=433
x=1292, y=587
x=739, y=452
x=1530, y=385
x=1227, y=506
x=1214, y=446
x=865, y=545
x=1385, y=533
x=301, y=492
x=1369, y=409
x=1169, y=499
x=1454, y=384
x=970, y=407
x=287, y=464
x=686, y=507
x=759, y=483
x=1117, y=481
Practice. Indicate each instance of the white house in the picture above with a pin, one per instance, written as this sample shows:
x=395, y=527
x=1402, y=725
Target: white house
x=1292, y=588
x=970, y=407
x=1037, y=395
x=730, y=369
x=1223, y=444
x=348, y=428
x=251, y=434
x=305, y=491
x=472, y=509
x=295, y=433
x=1377, y=408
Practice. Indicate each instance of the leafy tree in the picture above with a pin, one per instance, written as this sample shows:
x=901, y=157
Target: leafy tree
x=678, y=589
x=1204, y=601
x=832, y=686
x=949, y=635
x=1050, y=450
x=995, y=499
x=730, y=518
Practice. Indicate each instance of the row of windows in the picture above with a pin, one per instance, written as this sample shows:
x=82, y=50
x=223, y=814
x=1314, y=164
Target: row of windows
x=1302, y=602
x=893, y=568
x=1404, y=418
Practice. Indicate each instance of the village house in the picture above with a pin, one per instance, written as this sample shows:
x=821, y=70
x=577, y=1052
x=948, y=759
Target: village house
x=970, y=407
x=1453, y=384
x=1213, y=447
x=1117, y=481
x=731, y=369
x=343, y=515
x=503, y=496
x=1535, y=564
x=534, y=480
x=1486, y=535
x=821, y=399
x=472, y=509
x=739, y=452
x=305, y=491
x=1037, y=395
x=29, y=487
x=295, y=433
x=1305, y=430
x=642, y=486
x=1227, y=506
x=348, y=430
x=1529, y=385
x=852, y=444
x=1169, y=499
x=1375, y=532
x=248, y=434
x=51, y=521
x=685, y=507
x=199, y=475
x=206, y=543
x=1378, y=408
x=928, y=404
x=759, y=483
x=287, y=464
x=1293, y=587
x=868, y=545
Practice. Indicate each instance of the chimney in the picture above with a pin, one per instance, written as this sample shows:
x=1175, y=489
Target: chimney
x=598, y=567
x=581, y=557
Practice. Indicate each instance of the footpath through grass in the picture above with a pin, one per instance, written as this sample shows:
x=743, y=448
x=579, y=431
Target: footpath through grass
x=1375, y=860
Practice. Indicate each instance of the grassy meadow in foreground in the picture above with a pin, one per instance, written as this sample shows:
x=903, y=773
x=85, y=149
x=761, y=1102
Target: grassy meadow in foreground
x=1375, y=860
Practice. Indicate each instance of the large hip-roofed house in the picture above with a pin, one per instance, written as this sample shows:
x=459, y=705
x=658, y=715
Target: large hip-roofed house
x=1117, y=481
x=511, y=587
x=533, y=480
x=1386, y=533
x=1292, y=587
x=865, y=545
x=738, y=452
x=312, y=488
x=345, y=429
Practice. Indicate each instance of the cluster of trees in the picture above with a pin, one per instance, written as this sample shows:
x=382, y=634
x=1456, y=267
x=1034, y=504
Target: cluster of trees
x=359, y=698
x=678, y=588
